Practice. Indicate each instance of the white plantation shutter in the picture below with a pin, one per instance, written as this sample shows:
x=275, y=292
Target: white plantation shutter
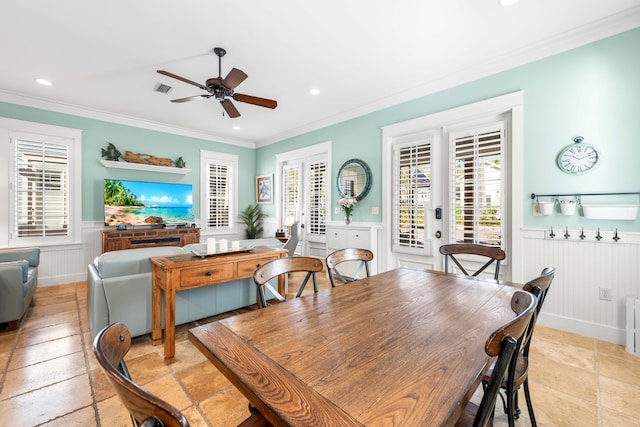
x=412, y=190
x=478, y=199
x=290, y=192
x=219, y=204
x=317, y=197
x=41, y=189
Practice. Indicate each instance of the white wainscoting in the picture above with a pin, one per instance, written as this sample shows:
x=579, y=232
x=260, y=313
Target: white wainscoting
x=573, y=304
x=582, y=267
x=68, y=264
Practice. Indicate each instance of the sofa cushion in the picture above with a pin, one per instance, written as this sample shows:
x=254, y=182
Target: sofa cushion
x=22, y=264
x=131, y=261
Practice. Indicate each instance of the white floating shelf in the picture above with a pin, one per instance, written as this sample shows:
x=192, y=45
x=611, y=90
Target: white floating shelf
x=623, y=212
x=143, y=167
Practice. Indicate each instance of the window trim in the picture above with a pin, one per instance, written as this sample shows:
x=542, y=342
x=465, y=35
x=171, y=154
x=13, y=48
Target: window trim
x=11, y=129
x=231, y=160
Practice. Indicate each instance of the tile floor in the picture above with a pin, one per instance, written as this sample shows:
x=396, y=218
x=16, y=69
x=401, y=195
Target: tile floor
x=49, y=376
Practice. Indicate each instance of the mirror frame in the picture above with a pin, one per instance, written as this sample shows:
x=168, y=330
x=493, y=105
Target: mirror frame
x=367, y=173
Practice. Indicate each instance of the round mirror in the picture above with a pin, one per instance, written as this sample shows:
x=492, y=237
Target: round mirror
x=354, y=179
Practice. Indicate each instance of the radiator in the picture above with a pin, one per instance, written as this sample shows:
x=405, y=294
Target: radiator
x=633, y=325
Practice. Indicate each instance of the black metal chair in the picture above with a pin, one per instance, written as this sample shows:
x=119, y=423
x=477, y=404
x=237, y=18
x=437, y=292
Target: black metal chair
x=493, y=253
x=502, y=344
x=350, y=254
x=538, y=287
x=268, y=271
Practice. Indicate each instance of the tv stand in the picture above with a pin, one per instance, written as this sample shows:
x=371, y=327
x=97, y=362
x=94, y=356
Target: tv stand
x=114, y=240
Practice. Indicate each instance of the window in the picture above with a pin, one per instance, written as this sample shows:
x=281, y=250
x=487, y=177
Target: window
x=44, y=192
x=290, y=193
x=477, y=202
x=41, y=185
x=218, y=191
x=412, y=185
x=317, y=197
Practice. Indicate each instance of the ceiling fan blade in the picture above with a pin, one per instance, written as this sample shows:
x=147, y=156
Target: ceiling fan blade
x=234, y=78
x=262, y=102
x=191, y=98
x=182, y=79
x=231, y=109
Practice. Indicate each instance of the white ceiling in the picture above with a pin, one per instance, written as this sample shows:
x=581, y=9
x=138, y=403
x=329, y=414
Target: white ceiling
x=362, y=54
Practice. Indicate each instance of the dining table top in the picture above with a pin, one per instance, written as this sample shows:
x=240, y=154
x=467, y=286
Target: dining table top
x=401, y=348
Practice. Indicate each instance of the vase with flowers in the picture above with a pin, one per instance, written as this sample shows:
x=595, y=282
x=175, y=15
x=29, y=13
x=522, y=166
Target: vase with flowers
x=347, y=204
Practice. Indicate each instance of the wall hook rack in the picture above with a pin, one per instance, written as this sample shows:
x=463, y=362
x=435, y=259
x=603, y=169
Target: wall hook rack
x=579, y=195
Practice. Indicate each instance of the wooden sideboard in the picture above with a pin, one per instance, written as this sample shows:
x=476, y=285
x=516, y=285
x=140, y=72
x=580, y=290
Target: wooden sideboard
x=114, y=240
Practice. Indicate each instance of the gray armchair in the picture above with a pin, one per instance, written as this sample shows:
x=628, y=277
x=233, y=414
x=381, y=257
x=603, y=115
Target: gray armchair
x=18, y=283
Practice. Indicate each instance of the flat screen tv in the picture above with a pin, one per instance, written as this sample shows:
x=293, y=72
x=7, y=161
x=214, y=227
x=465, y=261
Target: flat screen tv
x=134, y=203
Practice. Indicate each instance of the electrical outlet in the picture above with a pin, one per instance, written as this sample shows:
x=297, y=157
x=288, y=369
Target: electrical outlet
x=374, y=210
x=605, y=294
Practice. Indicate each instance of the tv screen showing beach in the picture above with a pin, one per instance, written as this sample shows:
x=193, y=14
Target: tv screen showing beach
x=146, y=203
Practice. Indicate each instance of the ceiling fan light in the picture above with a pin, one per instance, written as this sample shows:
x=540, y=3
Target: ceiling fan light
x=314, y=91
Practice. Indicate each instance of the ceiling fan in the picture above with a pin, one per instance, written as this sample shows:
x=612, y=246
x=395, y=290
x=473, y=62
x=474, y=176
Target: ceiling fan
x=222, y=89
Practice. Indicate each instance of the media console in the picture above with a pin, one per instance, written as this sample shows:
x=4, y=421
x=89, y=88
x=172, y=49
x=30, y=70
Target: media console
x=114, y=240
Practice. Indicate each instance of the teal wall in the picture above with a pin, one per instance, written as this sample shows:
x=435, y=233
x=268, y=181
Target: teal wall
x=97, y=134
x=592, y=91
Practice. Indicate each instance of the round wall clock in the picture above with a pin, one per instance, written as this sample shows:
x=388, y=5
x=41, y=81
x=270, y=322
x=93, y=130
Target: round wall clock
x=578, y=158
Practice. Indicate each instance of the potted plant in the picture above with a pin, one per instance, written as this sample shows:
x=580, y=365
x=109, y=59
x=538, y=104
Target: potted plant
x=252, y=217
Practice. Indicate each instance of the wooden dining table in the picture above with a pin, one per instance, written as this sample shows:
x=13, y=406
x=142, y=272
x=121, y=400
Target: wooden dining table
x=401, y=348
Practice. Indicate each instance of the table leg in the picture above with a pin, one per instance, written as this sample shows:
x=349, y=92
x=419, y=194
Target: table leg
x=156, y=312
x=169, y=325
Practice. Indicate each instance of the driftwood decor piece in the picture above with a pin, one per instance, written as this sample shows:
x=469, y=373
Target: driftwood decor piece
x=112, y=153
x=146, y=159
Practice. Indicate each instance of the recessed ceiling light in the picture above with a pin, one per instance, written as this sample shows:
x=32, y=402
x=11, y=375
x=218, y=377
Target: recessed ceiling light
x=44, y=82
x=236, y=127
x=314, y=91
x=508, y=2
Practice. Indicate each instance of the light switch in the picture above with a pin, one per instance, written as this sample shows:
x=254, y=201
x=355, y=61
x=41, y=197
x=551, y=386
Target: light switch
x=336, y=211
x=374, y=210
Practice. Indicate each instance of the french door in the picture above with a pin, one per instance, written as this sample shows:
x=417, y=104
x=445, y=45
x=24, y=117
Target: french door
x=446, y=180
x=304, y=195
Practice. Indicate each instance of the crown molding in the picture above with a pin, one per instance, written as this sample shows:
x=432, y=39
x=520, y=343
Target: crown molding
x=44, y=104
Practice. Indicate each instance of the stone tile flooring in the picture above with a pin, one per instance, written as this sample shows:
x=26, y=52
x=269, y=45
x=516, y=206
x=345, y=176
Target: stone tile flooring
x=49, y=375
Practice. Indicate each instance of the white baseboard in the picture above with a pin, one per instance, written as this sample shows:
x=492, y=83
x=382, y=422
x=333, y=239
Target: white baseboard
x=587, y=329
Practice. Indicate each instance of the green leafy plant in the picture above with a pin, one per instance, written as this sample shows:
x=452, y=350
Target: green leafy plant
x=252, y=217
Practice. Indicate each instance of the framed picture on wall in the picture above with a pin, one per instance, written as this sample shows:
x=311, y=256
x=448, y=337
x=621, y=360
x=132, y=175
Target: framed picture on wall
x=264, y=189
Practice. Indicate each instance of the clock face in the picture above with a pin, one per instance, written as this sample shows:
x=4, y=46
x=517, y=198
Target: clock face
x=578, y=158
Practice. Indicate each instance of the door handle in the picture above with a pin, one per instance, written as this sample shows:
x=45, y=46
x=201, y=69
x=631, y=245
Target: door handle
x=438, y=234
